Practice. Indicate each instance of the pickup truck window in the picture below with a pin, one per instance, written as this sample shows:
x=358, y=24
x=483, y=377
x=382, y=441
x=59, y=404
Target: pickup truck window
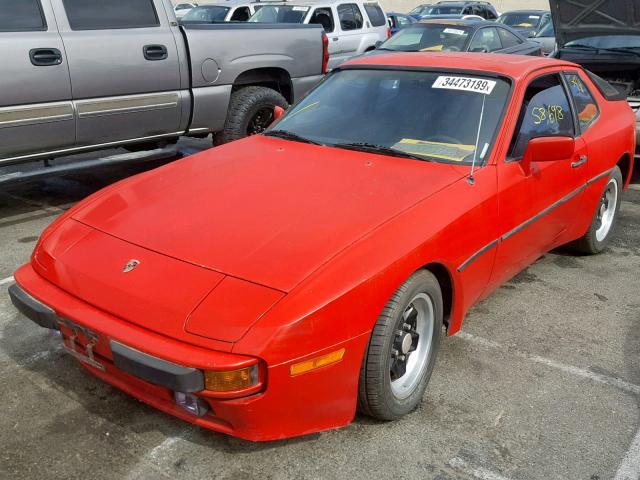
x=112, y=14
x=23, y=16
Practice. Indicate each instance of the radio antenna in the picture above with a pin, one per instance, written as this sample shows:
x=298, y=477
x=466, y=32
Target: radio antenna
x=471, y=180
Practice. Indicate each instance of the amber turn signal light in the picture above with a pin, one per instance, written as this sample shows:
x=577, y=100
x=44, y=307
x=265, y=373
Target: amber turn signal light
x=231, y=380
x=318, y=362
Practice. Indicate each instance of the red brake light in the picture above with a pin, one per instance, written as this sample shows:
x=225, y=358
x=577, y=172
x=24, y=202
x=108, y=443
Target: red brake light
x=325, y=52
x=388, y=33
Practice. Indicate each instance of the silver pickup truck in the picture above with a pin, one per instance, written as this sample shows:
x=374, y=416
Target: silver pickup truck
x=82, y=75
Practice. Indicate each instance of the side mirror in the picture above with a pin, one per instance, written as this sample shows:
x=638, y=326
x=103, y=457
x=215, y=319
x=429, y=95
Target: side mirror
x=548, y=149
x=531, y=34
x=278, y=111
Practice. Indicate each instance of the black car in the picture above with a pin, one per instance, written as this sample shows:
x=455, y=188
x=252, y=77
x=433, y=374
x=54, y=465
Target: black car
x=481, y=9
x=526, y=22
x=460, y=36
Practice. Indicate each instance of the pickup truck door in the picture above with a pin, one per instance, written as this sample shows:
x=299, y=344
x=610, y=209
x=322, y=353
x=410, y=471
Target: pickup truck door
x=126, y=72
x=36, y=113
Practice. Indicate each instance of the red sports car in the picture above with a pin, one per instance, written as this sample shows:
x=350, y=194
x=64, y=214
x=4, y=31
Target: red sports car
x=270, y=287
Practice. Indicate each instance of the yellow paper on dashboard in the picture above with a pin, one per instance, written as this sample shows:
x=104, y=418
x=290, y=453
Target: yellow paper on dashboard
x=447, y=151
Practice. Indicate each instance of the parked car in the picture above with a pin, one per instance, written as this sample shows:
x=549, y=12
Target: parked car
x=460, y=36
x=182, y=8
x=526, y=22
x=481, y=9
x=316, y=266
x=224, y=11
x=399, y=20
x=606, y=42
x=353, y=27
x=546, y=37
x=420, y=10
x=139, y=79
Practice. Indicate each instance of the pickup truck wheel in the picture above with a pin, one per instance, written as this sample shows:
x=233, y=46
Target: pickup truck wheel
x=604, y=219
x=250, y=112
x=402, y=350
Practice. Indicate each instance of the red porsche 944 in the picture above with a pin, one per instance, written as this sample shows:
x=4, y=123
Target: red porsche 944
x=273, y=286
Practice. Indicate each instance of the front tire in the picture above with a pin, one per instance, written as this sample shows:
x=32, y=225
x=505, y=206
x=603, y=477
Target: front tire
x=604, y=219
x=402, y=350
x=251, y=111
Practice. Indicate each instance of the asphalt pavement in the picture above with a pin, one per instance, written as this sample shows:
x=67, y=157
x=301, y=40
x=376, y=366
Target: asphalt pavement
x=542, y=383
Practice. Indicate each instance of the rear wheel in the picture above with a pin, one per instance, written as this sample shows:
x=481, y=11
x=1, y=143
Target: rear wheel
x=604, y=219
x=251, y=111
x=402, y=349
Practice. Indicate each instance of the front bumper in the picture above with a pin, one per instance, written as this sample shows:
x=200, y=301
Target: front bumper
x=151, y=367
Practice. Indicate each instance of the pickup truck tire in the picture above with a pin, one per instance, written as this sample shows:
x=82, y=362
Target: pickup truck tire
x=250, y=112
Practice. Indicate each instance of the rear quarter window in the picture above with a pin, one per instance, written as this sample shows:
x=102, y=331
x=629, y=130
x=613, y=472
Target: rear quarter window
x=110, y=14
x=375, y=14
x=586, y=107
x=21, y=16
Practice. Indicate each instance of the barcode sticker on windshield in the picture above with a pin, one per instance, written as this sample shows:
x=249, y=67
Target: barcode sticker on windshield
x=453, y=31
x=466, y=84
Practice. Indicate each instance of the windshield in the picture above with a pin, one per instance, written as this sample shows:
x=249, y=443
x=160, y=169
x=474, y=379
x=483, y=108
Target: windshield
x=426, y=115
x=206, y=14
x=520, y=20
x=420, y=10
x=428, y=38
x=609, y=41
x=547, y=31
x=444, y=11
x=280, y=14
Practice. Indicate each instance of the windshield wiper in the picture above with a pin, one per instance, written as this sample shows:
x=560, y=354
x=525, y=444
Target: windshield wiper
x=381, y=149
x=618, y=50
x=287, y=135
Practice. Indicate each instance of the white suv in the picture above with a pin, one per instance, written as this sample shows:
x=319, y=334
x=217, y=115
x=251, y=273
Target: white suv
x=352, y=26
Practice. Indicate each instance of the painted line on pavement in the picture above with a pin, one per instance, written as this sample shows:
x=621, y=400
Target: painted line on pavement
x=570, y=369
x=629, y=469
x=477, y=472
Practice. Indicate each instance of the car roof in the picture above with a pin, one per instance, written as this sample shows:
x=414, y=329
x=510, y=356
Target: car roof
x=527, y=11
x=462, y=22
x=514, y=66
x=309, y=3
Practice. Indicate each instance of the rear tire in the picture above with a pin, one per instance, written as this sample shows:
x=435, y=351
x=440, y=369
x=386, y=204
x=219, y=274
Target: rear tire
x=604, y=219
x=409, y=326
x=250, y=112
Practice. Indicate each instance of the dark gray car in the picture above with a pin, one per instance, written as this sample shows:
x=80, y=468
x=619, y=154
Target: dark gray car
x=460, y=36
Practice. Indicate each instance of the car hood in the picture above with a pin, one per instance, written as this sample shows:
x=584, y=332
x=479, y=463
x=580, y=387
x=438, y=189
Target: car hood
x=263, y=210
x=576, y=20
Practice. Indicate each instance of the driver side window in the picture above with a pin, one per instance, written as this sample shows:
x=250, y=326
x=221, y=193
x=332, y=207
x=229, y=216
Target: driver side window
x=545, y=113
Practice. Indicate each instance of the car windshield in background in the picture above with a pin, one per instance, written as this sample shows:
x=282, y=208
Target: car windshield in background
x=419, y=11
x=428, y=38
x=209, y=14
x=520, y=20
x=622, y=43
x=427, y=116
x=279, y=14
x=444, y=11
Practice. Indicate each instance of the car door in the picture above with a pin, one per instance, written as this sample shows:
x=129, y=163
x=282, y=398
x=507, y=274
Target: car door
x=485, y=39
x=124, y=67
x=36, y=113
x=538, y=202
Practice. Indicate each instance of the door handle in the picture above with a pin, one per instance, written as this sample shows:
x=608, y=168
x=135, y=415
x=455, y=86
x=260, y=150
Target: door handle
x=335, y=39
x=45, y=57
x=583, y=159
x=155, y=52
